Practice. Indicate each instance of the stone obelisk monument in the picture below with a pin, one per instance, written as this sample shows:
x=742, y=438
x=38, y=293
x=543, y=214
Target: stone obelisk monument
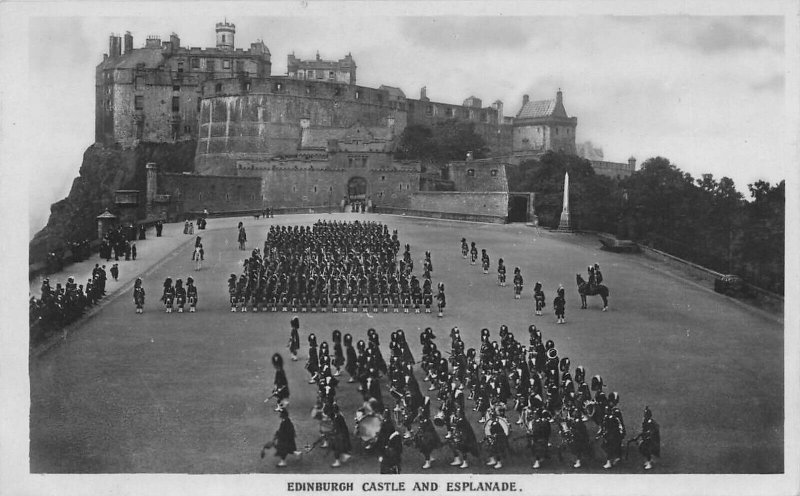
x=564, y=225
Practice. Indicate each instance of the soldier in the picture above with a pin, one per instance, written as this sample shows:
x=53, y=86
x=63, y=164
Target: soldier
x=462, y=439
x=284, y=439
x=464, y=248
x=576, y=423
x=168, y=297
x=501, y=273
x=351, y=363
x=649, y=439
x=312, y=365
x=473, y=253
x=180, y=295
x=540, y=437
x=392, y=453
x=280, y=390
x=339, y=438
x=612, y=430
x=497, y=436
x=338, y=353
x=138, y=295
x=232, y=291
x=294, y=337
x=115, y=271
x=485, y=261
x=426, y=439
x=518, y=283
x=559, y=304
x=191, y=294
x=538, y=297
x=441, y=299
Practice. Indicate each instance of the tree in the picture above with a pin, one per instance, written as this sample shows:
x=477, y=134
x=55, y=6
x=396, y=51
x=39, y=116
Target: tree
x=444, y=142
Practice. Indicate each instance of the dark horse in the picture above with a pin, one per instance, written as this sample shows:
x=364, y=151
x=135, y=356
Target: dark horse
x=584, y=289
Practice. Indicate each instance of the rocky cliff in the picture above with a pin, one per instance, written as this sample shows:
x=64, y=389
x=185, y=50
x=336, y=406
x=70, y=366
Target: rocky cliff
x=103, y=171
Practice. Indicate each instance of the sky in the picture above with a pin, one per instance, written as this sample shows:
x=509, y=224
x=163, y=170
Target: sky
x=705, y=91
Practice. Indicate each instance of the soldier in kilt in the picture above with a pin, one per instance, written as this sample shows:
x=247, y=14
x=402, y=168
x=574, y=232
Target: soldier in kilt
x=280, y=390
x=338, y=353
x=501, y=273
x=351, y=363
x=613, y=432
x=538, y=297
x=426, y=439
x=294, y=337
x=168, y=297
x=540, y=437
x=312, y=365
x=391, y=454
x=560, y=304
x=649, y=439
x=339, y=438
x=441, y=299
x=284, y=440
x=138, y=295
x=191, y=294
x=497, y=439
x=579, y=434
x=462, y=440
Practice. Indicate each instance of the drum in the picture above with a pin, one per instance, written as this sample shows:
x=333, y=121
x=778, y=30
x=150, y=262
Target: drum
x=368, y=428
x=438, y=419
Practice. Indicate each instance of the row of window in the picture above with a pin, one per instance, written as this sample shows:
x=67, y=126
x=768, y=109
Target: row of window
x=451, y=112
x=138, y=103
x=318, y=74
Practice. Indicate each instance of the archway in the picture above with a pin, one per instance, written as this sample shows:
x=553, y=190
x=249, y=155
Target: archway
x=356, y=189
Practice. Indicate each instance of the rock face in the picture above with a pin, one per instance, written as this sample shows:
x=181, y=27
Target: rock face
x=103, y=171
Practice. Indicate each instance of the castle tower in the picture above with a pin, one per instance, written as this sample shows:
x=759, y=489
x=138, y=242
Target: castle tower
x=225, y=33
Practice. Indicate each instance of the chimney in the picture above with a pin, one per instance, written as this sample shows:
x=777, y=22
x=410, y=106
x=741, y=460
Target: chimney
x=128, y=42
x=114, y=46
x=175, y=41
x=558, y=96
x=632, y=163
x=525, y=99
x=423, y=93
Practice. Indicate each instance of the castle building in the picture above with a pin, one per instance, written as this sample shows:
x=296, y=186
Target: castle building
x=153, y=93
x=339, y=71
x=312, y=137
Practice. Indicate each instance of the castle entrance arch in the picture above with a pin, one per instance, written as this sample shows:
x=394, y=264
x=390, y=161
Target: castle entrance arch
x=356, y=189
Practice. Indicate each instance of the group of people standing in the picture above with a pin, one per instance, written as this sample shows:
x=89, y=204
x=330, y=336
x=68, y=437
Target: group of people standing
x=336, y=266
x=505, y=375
x=64, y=304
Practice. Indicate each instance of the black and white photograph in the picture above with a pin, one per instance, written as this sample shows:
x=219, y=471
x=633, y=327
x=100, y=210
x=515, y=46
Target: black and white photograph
x=399, y=247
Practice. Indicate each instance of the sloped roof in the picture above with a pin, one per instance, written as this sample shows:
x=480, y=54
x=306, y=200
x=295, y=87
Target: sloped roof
x=537, y=108
x=393, y=91
x=150, y=57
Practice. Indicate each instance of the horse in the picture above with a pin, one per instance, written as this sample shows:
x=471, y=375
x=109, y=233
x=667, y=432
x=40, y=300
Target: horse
x=584, y=289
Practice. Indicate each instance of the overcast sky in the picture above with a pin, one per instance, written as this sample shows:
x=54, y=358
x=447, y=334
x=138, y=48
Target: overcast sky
x=707, y=92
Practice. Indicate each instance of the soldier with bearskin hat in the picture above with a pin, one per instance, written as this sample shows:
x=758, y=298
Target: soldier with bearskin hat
x=501, y=273
x=425, y=438
x=649, y=439
x=560, y=304
x=612, y=431
x=284, y=439
x=540, y=437
x=138, y=295
x=473, y=254
x=312, y=365
x=180, y=295
x=338, y=352
x=518, y=283
x=485, y=261
x=538, y=297
x=168, y=296
x=280, y=390
x=462, y=439
x=191, y=294
x=294, y=337
x=497, y=431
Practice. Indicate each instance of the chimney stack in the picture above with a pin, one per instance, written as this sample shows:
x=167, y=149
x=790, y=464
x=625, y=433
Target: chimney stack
x=128, y=42
x=423, y=93
x=559, y=96
x=525, y=99
x=632, y=163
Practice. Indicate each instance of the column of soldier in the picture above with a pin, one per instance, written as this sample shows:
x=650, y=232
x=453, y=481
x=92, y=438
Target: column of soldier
x=540, y=386
x=559, y=302
x=62, y=305
x=341, y=266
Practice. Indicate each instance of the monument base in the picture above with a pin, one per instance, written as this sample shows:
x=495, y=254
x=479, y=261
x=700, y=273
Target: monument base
x=564, y=225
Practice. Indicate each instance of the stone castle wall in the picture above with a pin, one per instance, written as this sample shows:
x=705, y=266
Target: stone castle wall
x=193, y=193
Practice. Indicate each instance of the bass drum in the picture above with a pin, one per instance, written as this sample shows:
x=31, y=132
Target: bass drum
x=487, y=428
x=367, y=429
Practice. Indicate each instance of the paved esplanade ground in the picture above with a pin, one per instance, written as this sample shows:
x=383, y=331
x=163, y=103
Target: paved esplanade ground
x=185, y=392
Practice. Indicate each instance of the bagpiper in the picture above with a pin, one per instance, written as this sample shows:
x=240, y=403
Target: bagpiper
x=540, y=437
x=138, y=295
x=391, y=454
x=426, y=439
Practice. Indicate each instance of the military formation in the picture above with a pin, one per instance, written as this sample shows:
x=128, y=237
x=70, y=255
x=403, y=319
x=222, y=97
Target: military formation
x=337, y=267
x=63, y=304
x=559, y=411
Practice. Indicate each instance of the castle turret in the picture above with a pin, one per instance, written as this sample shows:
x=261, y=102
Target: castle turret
x=225, y=34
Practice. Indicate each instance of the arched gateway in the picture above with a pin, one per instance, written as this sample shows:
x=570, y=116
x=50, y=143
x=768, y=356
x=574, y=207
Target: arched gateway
x=356, y=189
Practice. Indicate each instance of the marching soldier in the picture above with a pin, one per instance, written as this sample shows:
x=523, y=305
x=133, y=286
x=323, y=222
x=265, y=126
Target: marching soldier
x=312, y=365
x=441, y=299
x=426, y=439
x=649, y=439
x=464, y=248
x=180, y=295
x=232, y=291
x=517, y=283
x=485, y=261
x=338, y=353
x=576, y=423
x=138, y=295
x=284, y=439
x=339, y=436
x=540, y=437
x=497, y=431
x=473, y=253
x=280, y=391
x=462, y=439
x=613, y=432
x=391, y=454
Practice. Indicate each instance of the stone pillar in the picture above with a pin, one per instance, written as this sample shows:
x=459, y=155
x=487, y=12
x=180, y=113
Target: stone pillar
x=564, y=224
x=532, y=209
x=152, y=189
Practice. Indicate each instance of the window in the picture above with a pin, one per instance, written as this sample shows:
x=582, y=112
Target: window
x=320, y=74
x=277, y=87
x=176, y=87
x=294, y=188
x=484, y=117
x=240, y=66
x=429, y=110
x=358, y=94
x=331, y=75
x=187, y=129
x=180, y=66
x=247, y=86
x=470, y=172
x=194, y=62
x=218, y=88
x=198, y=105
x=139, y=129
x=315, y=189
x=226, y=64
x=138, y=101
x=349, y=161
x=227, y=197
x=138, y=83
x=223, y=38
x=309, y=74
x=494, y=172
x=448, y=112
x=176, y=103
x=363, y=161
x=337, y=91
x=308, y=90
x=383, y=178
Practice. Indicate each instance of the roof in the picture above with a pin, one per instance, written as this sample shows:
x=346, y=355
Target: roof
x=538, y=108
x=150, y=57
x=393, y=91
x=106, y=215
